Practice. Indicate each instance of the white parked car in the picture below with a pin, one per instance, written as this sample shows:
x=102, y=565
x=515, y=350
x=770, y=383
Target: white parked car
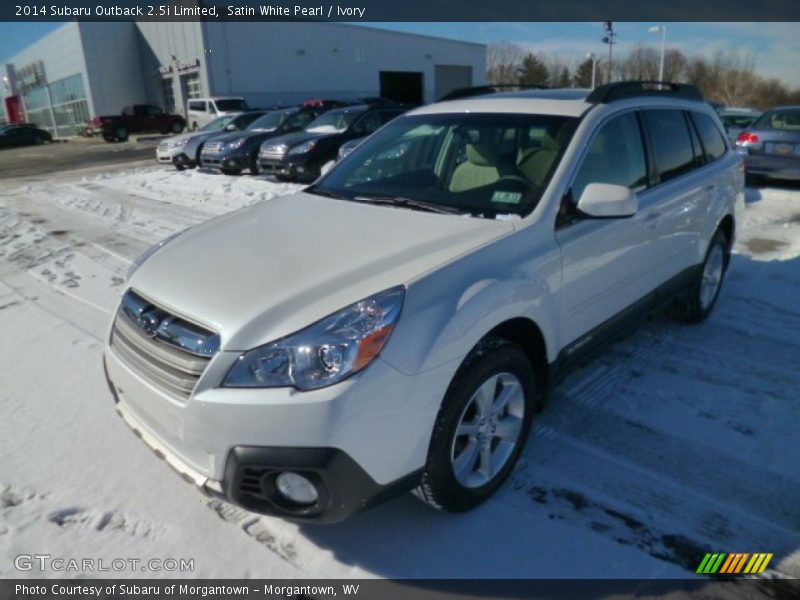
x=201, y=111
x=398, y=324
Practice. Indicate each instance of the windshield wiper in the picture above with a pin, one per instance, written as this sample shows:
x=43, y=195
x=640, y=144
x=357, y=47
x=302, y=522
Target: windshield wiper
x=323, y=192
x=411, y=203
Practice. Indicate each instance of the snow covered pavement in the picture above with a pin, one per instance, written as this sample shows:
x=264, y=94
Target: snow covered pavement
x=679, y=440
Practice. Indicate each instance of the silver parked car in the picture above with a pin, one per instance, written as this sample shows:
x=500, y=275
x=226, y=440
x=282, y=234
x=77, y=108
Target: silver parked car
x=771, y=145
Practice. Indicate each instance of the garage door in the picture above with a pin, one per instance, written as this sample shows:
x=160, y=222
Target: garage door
x=451, y=77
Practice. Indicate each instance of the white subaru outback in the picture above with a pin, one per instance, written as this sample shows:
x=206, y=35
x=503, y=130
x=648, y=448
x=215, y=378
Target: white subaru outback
x=397, y=325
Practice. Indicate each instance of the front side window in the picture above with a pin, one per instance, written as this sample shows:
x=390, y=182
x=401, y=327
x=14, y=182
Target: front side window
x=672, y=146
x=197, y=106
x=478, y=164
x=299, y=120
x=713, y=143
x=615, y=155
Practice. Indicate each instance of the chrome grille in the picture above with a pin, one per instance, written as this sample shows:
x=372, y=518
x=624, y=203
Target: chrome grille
x=165, y=350
x=273, y=150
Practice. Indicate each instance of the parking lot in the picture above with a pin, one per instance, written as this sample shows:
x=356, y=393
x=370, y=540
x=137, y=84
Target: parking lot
x=76, y=153
x=677, y=441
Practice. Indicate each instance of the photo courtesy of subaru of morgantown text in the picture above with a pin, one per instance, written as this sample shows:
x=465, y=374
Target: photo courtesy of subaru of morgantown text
x=287, y=300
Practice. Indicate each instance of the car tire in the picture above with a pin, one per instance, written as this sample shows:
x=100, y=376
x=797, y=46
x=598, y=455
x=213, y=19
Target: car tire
x=109, y=137
x=493, y=391
x=194, y=126
x=232, y=171
x=284, y=178
x=39, y=140
x=121, y=134
x=179, y=167
x=698, y=302
x=176, y=127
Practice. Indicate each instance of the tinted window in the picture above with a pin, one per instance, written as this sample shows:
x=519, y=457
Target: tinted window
x=672, y=146
x=367, y=124
x=616, y=155
x=246, y=119
x=230, y=105
x=195, y=105
x=299, y=121
x=713, y=142
x=697, y=147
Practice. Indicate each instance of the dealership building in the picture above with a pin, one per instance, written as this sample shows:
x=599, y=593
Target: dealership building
x=85, y=69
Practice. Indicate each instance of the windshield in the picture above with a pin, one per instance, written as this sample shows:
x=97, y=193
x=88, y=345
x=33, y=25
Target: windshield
x=269, y=121
x=217, y=124
x=788, y=119
x=230, y=105
x=334, y=121
x=487, y=165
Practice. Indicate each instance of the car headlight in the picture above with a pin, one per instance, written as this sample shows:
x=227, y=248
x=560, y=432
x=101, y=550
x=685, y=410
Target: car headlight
x=179, y=143
x=236, y=143
x=324, y=353
x=140, y=260
x=303, y=148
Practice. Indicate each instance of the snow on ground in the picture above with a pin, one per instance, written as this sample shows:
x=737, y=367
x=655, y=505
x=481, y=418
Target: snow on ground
x=679, y=440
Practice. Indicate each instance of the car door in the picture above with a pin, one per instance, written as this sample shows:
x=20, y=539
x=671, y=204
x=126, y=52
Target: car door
x=605, y=263
x=676, y=201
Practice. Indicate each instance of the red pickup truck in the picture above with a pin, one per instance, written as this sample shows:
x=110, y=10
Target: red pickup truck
x=139, y=118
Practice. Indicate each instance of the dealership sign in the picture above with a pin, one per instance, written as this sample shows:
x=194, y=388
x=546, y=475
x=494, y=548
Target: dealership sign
x=179, y=66
x=30, y=76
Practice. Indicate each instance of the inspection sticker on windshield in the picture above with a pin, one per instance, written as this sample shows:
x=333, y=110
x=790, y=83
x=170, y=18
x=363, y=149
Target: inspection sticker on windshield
x=507, y=197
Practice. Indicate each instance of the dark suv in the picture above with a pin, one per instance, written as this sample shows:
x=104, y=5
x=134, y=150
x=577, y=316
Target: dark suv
x=233, y=152
x=301, y=155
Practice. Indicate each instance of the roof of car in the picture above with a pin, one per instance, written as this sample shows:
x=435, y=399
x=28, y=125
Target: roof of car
x=570, y=102
x=726, y=112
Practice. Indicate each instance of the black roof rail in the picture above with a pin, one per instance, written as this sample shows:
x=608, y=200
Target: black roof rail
x=609, y=92
x=489, y=88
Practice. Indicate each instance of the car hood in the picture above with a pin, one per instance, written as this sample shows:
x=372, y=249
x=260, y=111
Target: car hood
x=271, y=269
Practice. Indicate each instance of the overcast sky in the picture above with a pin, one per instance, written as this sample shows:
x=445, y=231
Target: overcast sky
x=775, y=46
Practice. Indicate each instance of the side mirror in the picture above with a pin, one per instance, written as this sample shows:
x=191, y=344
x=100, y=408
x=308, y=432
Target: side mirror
x=230, y=127
x=607, y=201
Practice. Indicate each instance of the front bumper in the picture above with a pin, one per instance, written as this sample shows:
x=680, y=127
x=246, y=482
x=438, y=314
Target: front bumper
x=224, y=160
x=232, y=443
x=168, y=156
x=294, y=166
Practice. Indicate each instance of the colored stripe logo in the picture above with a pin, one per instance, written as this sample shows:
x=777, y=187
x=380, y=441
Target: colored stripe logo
x=732, y=564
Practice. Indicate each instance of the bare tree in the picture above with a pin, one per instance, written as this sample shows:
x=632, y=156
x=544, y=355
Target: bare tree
x=503, y=61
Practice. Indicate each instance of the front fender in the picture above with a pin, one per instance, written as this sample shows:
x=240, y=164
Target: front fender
x=449, y=311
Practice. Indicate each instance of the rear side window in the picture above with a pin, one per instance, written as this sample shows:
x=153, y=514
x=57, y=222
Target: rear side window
x=713, y=143
x=788, y=119
x=672, y=146
x=615, y=155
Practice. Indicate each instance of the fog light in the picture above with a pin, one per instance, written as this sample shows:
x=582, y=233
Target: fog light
x=297, y=488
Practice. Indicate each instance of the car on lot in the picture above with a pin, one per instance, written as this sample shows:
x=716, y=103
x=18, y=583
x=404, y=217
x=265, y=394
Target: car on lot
x=201, y=111
x=736, y=120
x=233, y=152
x=138, y=118
x=398, y=324
x=771, y=145
x=23, y=134
x=302, y=155
x=183, y=151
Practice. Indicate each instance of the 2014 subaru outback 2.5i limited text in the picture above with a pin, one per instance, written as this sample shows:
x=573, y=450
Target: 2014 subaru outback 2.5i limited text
x=397, y=324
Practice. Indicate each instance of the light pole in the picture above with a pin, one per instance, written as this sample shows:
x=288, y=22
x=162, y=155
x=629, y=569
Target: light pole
x=608, y=26
x=594, y=67
x=663, y=30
